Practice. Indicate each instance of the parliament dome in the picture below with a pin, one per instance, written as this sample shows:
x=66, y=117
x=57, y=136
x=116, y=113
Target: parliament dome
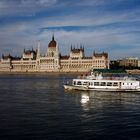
x=53, y=43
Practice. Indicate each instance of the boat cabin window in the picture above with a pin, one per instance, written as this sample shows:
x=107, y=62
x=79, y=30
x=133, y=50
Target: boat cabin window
x=91, y=83
x=115, y=84
x=126, y=84
x=109, y=84
x=103, y=83
x=74, y=82
x=96, y=83
x=79, y=83
x=85, y=83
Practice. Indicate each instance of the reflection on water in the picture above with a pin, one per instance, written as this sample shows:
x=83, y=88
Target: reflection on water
x=85, y=101
x=84, y=98
x=93, y=99
x=112, y=115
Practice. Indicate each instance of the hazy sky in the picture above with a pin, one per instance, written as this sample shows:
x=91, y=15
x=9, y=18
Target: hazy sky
x=112, y=26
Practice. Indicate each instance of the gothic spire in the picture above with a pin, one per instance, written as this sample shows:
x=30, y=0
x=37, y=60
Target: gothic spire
x=38, y=49
x=71, y=47
x=53, y=37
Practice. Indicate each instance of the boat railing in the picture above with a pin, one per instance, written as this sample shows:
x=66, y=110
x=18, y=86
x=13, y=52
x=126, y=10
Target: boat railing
x=120, y=78
x=93, y=76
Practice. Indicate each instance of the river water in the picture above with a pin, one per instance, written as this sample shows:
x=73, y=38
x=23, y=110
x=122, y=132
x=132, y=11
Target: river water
x=36, y=106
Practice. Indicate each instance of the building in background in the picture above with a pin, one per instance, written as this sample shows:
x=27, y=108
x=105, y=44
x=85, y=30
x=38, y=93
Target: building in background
x=53, y=61
x=139, y=64
x=129, y=63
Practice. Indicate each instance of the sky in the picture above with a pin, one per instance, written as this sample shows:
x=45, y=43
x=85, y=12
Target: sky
x=111, y=26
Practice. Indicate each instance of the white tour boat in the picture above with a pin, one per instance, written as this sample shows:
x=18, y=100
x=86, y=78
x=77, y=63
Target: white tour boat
x=97, y=82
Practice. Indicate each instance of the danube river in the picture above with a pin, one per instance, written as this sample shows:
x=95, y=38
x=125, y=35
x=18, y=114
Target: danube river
x=36, y=106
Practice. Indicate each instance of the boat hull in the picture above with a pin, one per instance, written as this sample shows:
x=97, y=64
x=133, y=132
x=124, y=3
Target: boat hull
x=114, y=90
x=86, y=88
x=70, y=87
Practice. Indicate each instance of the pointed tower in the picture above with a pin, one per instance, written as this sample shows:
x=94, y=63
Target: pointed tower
x=52, y=43
x=38, y=50
x=53, y=37
x=71, y=47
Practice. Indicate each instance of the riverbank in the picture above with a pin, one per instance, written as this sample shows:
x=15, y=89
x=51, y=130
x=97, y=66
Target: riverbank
x=61, y=72
x=41, y=73
x=133, y=71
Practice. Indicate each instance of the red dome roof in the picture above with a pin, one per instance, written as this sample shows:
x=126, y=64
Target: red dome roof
x=52, y=43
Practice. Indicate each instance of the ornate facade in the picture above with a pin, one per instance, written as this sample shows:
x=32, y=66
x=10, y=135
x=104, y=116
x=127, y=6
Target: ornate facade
x=53, y=61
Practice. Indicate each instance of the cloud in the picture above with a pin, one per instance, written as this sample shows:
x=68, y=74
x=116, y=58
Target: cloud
x=98, y=25
x=110, y=38
x=10, y=8
x=32, y=3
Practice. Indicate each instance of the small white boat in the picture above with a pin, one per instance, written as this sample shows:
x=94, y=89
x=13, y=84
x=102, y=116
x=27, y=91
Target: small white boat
x=96, y=82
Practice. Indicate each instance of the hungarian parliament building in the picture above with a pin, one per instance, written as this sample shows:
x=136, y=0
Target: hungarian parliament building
x=53, y=61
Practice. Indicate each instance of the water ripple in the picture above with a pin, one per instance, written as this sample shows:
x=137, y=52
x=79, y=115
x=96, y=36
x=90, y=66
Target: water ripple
x=37, y=107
